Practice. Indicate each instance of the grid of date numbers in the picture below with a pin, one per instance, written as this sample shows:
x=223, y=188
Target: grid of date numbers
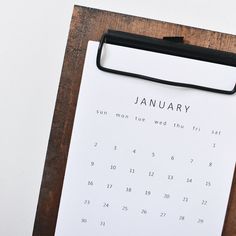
x=160, y=180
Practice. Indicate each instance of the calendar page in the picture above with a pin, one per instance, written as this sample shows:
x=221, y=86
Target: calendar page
x=145, y=158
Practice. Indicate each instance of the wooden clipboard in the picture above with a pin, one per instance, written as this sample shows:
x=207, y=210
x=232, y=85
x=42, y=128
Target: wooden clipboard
x=90, y=24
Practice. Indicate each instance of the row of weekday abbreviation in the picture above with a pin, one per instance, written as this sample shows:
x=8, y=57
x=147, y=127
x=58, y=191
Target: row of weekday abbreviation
x=162, y=123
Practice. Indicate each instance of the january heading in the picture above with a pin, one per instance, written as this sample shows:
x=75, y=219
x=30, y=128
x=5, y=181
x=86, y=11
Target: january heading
x=169, y=106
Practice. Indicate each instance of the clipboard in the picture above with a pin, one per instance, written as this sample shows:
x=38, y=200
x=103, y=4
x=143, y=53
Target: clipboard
x=91, y=24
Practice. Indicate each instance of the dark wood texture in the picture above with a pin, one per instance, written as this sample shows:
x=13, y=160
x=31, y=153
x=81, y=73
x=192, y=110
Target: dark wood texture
x=89, y=24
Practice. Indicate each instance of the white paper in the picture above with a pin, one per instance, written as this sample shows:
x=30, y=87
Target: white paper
x=145, y=158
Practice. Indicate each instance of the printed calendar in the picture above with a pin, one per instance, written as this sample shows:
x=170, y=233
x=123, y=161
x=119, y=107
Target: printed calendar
x=148, y=159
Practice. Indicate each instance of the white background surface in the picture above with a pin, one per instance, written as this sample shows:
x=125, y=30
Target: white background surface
x=32, y=43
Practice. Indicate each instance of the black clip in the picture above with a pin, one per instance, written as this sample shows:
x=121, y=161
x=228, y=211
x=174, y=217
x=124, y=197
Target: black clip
x=166, y=46
x=176, y=39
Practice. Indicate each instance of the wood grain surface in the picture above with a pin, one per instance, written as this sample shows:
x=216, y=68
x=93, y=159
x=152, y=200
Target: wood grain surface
x=90, y=24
